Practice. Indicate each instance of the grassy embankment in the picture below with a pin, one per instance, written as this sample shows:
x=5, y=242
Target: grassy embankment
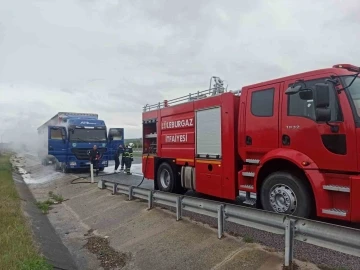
x=17, y=250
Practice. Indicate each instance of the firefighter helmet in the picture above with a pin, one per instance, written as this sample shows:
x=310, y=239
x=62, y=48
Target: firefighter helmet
x=131, y=145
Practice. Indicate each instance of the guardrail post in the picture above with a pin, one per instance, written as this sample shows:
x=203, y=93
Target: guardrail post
x=150, y=199
x=92, y=173
x=101, y=184
x=114, y=191
x=220, y=220
x=289, y=241
x=178, y=208
x=131, y=192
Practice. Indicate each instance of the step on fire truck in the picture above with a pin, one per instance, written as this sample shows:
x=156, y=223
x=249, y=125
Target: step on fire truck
x=289, y=145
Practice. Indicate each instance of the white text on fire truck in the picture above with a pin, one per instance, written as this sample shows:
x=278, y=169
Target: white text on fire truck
x=177, y=124
x=175, y=138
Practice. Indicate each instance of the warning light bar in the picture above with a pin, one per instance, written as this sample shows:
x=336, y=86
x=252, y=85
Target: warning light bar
x=348, y=67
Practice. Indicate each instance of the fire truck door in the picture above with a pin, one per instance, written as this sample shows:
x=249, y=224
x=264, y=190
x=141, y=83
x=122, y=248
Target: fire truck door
x=329, y=150
x=261, y=120
x=116, y=137
x=57, y=143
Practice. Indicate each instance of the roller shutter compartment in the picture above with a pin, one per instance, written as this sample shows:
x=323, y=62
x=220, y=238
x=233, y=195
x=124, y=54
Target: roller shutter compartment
x=208, y=132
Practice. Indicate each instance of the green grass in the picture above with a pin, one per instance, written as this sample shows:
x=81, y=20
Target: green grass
x=324, y=267
x=45, y=206
x=17, y=250
x=56, y=197
x=248, y=239
x=35, y=263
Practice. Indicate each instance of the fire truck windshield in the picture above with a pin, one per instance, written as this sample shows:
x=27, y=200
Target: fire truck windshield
x=354, y=91
x=87, y=135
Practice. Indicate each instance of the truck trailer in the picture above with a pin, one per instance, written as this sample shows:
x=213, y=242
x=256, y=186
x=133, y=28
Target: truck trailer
x=289, y=145
x=67, y=138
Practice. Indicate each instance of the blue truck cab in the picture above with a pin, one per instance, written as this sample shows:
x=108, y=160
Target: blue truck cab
x=67, y=138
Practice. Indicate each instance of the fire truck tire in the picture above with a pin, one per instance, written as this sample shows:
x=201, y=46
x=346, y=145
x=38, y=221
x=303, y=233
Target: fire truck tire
x=165, y=178
x=286, y=193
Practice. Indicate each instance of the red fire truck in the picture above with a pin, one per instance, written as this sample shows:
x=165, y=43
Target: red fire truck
x=288, y=145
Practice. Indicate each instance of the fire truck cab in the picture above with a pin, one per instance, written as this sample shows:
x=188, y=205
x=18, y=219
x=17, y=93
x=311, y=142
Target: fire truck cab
x=288, y=145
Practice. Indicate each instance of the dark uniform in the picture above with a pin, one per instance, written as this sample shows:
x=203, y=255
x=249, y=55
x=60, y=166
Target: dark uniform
x=128, y=159
x=122, y=161
x=95, y=158
x=118, y=152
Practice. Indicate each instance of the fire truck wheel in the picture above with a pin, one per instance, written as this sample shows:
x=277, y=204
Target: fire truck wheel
x=283, y=192
x=165, y=178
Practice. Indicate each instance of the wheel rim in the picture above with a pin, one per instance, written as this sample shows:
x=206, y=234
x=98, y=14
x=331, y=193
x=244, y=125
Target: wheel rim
x=283, y=199
x=165, y=178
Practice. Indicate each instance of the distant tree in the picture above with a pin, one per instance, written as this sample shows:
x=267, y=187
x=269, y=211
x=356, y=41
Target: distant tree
x=137, y=142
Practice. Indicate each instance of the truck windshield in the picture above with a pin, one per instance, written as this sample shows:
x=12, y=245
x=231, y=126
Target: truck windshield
x=88, y=135
x=354, y=91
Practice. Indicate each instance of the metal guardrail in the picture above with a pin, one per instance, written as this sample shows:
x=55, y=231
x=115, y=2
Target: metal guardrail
x=338, y=238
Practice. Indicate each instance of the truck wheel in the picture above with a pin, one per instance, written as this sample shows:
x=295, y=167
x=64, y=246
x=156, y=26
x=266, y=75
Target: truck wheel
x=285, y=193
x=165, y=178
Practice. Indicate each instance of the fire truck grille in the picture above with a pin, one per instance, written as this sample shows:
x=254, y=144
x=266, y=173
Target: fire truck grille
x=82, y=153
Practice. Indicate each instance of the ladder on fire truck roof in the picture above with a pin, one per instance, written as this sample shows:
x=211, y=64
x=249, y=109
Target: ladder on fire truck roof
x=217, y=89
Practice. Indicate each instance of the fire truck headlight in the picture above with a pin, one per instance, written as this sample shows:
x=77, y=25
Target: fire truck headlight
x=104, y=162
x=72, y=163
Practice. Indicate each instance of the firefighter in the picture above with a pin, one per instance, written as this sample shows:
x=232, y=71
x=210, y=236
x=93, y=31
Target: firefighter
x=119, y=152
x=128, y=157
x=95, y=156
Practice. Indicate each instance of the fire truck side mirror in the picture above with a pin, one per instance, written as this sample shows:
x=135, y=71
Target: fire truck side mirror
x=323, y=114
x=322, y=95
x=306, y=94
x=322, y=102
x=293, y=90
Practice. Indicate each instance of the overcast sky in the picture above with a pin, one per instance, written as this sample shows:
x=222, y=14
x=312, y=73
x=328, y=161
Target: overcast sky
x=111, y=57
